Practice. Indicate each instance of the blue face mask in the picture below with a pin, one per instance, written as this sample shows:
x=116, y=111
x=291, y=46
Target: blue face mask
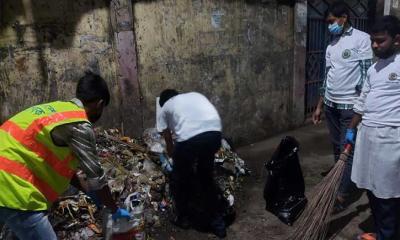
x=335, y=28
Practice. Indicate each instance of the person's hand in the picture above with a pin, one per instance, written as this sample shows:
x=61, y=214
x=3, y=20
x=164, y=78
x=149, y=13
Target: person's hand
x=121, y=213
x=350, y=135
x=316, y=117
x=96, y=200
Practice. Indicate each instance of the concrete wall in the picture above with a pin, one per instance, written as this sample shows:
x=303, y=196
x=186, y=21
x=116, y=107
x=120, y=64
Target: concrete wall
x=238, y=53
x=45, y=46
x=392, y=7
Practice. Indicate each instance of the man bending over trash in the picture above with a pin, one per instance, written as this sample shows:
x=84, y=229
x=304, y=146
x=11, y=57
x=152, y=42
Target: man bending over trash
x=41, y=149
x=197, y=127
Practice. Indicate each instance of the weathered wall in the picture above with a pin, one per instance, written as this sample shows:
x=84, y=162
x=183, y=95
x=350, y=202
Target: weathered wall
x=238, y=53
x=394, y=6
x=45, y=46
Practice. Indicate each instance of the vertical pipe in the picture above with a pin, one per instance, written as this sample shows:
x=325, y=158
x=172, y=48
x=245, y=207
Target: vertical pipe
x=386, y=10
x=121, y=12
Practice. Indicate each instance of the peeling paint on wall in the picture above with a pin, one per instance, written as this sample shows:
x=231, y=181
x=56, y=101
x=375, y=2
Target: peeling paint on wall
x=216, y=18
x=46, y=46
x=239, y=54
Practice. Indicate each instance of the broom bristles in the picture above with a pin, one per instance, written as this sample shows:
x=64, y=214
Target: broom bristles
x=313, y=223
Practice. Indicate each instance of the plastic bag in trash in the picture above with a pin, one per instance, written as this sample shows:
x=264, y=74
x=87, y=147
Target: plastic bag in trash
x=154, y=140
x=284, y=187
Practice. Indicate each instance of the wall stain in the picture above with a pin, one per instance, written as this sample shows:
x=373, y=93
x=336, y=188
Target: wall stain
x=20, y=64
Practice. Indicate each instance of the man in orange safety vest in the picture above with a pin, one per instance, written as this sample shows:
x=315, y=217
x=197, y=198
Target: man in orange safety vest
x=41, y=149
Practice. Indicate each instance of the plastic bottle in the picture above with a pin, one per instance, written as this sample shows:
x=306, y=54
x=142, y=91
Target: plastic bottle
x=107, y=223
x=134, y=228
x=165, y=164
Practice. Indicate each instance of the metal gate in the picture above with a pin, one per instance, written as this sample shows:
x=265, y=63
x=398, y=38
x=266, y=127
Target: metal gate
x=318, y=39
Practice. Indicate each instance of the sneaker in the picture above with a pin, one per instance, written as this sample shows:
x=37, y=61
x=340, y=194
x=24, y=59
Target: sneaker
x=338, y=208
x=367, y=236
x=340, y=205
x=218, y=227
x=220, y=233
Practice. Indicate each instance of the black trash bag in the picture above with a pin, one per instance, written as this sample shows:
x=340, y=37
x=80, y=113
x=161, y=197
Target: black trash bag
x=284, y=187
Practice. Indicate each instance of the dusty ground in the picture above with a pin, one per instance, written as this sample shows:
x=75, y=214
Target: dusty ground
x=253, y=222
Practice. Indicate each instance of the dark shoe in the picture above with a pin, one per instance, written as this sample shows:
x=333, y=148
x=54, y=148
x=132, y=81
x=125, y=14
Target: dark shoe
x=367, y=236
x=339, y=206
x=218, y=227
x=220, y=233
x=181, y=222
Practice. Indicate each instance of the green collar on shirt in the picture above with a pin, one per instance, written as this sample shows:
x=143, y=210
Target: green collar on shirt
x=348, y=32
x=77, y=102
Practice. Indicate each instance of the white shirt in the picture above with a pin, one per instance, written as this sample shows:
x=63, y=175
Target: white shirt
x=342, y=58
x=379, y=102
x=188, y=115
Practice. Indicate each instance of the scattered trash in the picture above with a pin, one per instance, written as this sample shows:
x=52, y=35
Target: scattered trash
x=137, y=171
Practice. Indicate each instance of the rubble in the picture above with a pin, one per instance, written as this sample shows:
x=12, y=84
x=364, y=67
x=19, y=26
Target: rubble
x=137, y=171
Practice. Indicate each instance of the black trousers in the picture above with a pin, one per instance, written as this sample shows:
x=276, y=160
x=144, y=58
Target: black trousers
x=192, y=177
x=338, y=121
x=386, y=214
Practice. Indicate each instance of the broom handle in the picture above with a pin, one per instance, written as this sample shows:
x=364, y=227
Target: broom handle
x=347, y=148
x=345, y=154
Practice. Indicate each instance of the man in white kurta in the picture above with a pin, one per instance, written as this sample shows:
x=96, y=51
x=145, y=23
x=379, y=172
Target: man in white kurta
x=348, y=57
x=376, y=164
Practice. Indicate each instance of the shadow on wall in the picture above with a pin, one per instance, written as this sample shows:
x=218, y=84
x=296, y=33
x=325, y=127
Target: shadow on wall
x=49, y=19
x=42, y=25
x=52, y=24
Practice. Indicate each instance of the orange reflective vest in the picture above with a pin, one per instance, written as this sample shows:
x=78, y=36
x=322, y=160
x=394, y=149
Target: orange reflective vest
x=33, y=170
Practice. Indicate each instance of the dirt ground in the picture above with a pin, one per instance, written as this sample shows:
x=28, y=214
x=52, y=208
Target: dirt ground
x=253, y=222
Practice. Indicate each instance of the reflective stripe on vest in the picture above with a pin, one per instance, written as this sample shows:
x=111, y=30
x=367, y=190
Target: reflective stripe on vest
x=46, y=167
x=23, y=172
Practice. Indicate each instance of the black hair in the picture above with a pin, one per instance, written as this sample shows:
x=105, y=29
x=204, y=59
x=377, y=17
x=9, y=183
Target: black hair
x=166, y=95
x=389, y=24
x=91, y=87
x=338, y=9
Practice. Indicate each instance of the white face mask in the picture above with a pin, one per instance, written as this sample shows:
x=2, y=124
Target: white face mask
x=335, y=28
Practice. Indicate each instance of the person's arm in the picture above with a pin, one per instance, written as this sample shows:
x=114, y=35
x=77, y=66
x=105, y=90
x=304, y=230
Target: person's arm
x=106, y=198
x=355, y=121
x=365, y=56
x=364, y=65
x=351, y=130
x=76, y=183
x=81, y=140
x=165, y=131
x=358, y=111
x=316, y=117
x=168, y=141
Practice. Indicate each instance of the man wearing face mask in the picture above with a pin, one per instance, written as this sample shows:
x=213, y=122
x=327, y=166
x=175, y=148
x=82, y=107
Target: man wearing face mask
x=348, y=57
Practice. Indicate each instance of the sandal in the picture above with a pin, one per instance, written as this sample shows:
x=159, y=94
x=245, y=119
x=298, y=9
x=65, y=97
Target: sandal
x=366, y=236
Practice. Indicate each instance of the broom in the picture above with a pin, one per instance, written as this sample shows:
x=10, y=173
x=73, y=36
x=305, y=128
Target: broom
x=313, y=223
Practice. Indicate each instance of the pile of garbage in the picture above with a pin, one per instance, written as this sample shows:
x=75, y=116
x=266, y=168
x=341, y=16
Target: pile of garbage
x=137, y=172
